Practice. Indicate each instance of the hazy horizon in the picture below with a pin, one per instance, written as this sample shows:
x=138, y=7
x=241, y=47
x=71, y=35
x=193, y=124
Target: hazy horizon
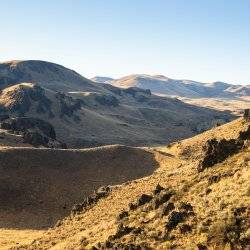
x=204, y=41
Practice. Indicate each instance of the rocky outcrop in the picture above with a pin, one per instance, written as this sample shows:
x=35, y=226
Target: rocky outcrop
x=91, y=200
x=134, y=90
x=69, y=105
x=217, y=151
x=19, y=99
x=22, y=124
x=34, y=131
x=246, y=114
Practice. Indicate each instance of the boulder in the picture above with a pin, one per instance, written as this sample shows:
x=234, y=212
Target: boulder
x=161, y=198
x=167, y=208
x=174, y=219
x=158, y=189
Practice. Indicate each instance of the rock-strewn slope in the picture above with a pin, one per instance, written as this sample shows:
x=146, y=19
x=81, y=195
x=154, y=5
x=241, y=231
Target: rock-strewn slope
x=177, y=207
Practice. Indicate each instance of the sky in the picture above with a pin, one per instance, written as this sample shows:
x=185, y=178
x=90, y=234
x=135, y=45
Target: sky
x=203, y=40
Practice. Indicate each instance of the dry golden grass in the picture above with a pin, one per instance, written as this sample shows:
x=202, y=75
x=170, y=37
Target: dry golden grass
x=139, y=119
x=213, y=203
x=236, y=105
x=14, y=237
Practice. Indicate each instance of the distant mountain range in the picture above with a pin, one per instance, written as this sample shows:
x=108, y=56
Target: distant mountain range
x=163, y=85
x=51, y=105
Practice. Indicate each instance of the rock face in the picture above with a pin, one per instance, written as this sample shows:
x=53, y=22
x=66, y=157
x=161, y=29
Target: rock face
x=69, y=105
x=246, y=114
x=34, y=131
x=216, y=151
x=134, y=90
x=19, y=99
x=21, y=124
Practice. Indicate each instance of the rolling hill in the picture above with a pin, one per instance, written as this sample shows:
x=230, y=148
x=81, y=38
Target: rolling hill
x=163, y=85
x=177, y=205
x=217, y=95
x=83, y=113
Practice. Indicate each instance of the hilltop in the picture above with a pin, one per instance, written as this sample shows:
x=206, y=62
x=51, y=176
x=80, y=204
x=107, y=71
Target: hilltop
x=46, y=74
x=220, y=95
x=163, y=85
x=179, y=205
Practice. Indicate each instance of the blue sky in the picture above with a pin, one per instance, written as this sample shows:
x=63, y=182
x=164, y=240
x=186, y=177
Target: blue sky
x=204, y=40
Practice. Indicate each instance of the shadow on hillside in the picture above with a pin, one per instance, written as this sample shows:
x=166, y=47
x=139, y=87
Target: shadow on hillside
x=40, y=186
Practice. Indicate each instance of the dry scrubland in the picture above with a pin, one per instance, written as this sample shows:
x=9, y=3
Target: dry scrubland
x=223, y=104
x=216, y=95
x=174, y=206
x=85, y=114
x=191, y=194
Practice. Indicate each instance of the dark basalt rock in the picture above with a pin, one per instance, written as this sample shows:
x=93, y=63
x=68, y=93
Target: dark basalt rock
x=143, y=199
x=22, y=124
x=185, y=228
x=122, y=215
x=245, y=135
x=239, y=210
x=201, y=247
x=91, y=200
x=121, y=246
x=34, y=131
x=158, y=189
x=216, y=151
x=121, y=231
x=186, y=206
x=167, y=208
x=161, y=198
x=141, y=98
x=246, y=114
x=174, y=219
x=214, y=179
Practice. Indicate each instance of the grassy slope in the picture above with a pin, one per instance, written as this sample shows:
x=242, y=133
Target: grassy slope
x=139, y=119
x=213, y=210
